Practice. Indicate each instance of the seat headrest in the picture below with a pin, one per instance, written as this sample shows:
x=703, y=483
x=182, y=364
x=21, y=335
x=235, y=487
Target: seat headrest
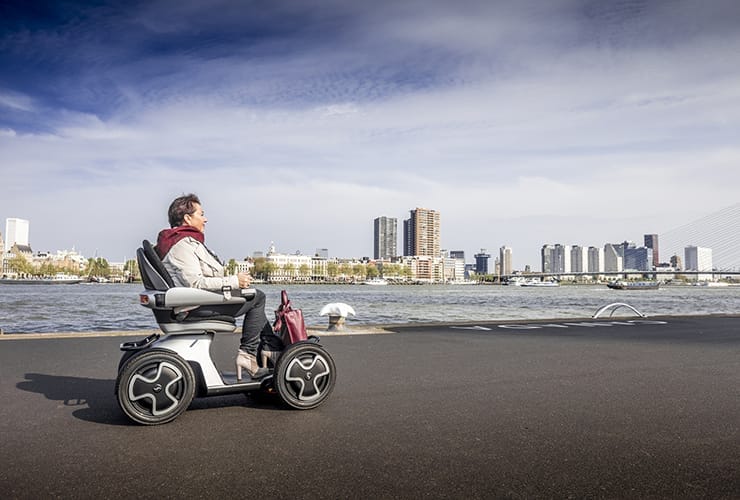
x=153, y=273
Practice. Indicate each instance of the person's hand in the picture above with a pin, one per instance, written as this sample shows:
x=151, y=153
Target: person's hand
x=244, y=280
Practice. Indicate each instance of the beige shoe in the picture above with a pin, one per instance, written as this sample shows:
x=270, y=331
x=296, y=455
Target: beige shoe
x=248, y=362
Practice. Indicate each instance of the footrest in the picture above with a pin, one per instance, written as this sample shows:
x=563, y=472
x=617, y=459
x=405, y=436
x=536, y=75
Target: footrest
x=137, y=345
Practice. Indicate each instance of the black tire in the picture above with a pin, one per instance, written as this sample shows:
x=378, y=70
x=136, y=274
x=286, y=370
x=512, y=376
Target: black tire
x=304, y=376
x=124, y=359
x=155, y=387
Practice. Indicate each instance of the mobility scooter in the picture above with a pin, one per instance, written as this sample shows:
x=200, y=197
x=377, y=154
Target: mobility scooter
x=160, y=375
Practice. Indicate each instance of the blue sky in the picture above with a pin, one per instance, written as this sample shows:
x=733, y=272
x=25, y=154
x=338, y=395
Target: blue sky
x=523, y=123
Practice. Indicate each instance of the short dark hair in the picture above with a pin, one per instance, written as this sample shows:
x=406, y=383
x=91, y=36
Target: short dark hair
x=181, y=207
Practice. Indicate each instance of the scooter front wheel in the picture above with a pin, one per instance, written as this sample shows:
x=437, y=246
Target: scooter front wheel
x=155, y=387
x=304, y=376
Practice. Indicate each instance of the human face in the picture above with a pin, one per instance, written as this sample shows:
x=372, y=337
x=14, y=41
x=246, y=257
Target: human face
x=197, y=219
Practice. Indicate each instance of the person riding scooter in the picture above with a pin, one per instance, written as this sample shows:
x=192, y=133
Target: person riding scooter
x=191, y=264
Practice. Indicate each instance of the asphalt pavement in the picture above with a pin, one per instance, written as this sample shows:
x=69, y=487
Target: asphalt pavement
x=552, y=409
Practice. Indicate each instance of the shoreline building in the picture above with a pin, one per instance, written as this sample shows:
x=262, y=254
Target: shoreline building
x=636, y=258
x=595, y=260
x=16, y=232
x=612, y=259
x=505, y=261
x=698, y=258
x=481, y=262
x=651, y=242
x=555, y=258
x=578, y=259
x=385, y=238
x=421, y=233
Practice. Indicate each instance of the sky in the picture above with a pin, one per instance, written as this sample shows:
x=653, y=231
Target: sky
x=299, y=122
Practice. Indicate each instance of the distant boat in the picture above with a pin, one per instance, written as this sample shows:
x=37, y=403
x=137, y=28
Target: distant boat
x=538, y=283
x=375, y=282
x=57, y=279
x=633, y=285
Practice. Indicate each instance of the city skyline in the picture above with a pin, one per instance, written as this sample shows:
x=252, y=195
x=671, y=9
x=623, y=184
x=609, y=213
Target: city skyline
x=521, y=122
x=614, y=256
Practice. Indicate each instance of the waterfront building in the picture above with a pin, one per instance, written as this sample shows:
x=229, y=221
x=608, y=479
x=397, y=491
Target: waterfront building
x=651, y=242
x=613, y=262
x=454, y=269
x=578, y=259
x=595, y=260
x=385, y=238
x=425, y=268
x=555, y=259
x=421, y=233
x=636, y=258
x=676, y=262
x=505, y=261
x=481, y=262
x=16, y=232
x=546, y=258
x=698, y=258
x=457, y=254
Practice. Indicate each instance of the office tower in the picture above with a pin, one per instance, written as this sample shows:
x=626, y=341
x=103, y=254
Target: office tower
x=421, y=233
x=595, y=260
x=651, y=241
x=578, y=259
x=612, y=258
x=636, y=258
x=481, y=261
x=505, y=256
x=698, y=258
x=16, y=232
x=546, y=258
x=555, y=259
x=385, y=237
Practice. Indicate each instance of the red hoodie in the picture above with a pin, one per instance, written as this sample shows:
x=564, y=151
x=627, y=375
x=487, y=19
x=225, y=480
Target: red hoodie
x=169, y=237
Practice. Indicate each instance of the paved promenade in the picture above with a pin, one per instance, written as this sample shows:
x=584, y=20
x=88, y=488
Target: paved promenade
x=527, y=410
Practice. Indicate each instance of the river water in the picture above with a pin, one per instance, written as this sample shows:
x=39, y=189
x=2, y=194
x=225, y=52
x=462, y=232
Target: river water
x=108, y=307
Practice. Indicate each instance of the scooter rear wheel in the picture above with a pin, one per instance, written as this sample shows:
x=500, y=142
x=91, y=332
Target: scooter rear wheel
x=155, y=387
x=304, y=376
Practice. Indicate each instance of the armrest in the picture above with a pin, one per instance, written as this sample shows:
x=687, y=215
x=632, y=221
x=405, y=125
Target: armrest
x=183, y=297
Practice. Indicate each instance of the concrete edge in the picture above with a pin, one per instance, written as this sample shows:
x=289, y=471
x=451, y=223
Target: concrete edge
x=356, y=330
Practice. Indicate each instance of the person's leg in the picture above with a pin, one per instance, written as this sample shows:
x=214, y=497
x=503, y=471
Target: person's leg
x=255, y=322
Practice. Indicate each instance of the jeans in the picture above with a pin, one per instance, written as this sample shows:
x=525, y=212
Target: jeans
x=255, y=322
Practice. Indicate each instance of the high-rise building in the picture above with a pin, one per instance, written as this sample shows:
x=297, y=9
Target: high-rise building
x=578, y=259
x=16, y=232
x=651, y=241
x=595, y=260
x=505, y=258
x=612, y=258
x=421, y=233
x=481, y=261
x=555, y=258
x=698, y=258
x=636, y=258
x=385, y=239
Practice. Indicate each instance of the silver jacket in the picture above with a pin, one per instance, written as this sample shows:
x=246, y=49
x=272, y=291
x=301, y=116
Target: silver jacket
x=191, y=264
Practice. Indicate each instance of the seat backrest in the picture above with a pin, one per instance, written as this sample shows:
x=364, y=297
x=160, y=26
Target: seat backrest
x=153, y=273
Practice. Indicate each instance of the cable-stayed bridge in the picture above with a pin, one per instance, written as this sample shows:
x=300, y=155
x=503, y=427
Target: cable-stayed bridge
x=719, y=231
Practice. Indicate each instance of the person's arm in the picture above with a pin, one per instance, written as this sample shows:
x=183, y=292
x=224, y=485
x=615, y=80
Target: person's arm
x=184, y=260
